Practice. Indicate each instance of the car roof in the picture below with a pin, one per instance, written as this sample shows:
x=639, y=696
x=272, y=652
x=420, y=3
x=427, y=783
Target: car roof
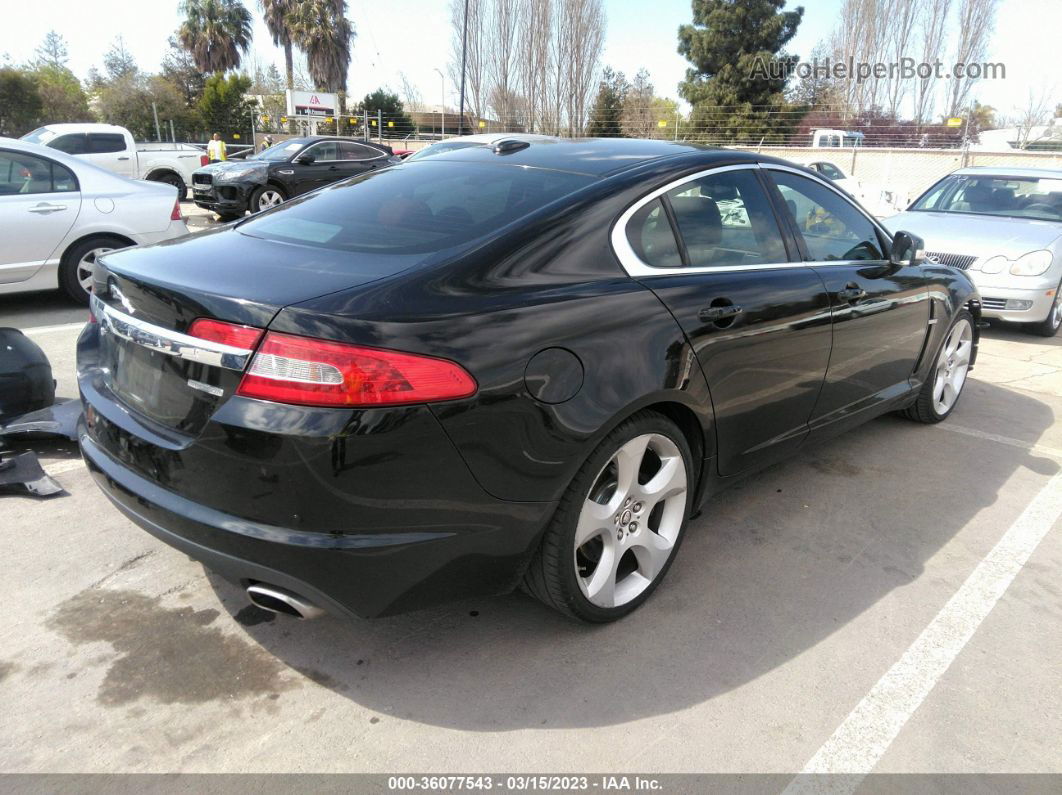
x=314, y=139
x=593, y=156
x=86, y=127
x=1005, y=171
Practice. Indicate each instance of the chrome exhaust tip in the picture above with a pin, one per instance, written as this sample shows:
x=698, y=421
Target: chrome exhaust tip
x=280, y=600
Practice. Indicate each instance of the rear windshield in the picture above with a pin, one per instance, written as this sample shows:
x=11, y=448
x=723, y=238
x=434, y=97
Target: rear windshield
x=416, y=207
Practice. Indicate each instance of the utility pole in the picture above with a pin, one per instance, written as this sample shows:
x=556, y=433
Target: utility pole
x=173, y=135
x=464, y=57
x=442, y=107
x=365, y=125
x=379, y=124
x=158, y=130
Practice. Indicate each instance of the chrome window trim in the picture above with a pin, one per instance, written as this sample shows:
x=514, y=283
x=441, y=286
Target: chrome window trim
x=633, y=264
x=167, y=341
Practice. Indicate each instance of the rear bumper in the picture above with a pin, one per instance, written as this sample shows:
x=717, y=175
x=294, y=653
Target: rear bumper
x=355, y=575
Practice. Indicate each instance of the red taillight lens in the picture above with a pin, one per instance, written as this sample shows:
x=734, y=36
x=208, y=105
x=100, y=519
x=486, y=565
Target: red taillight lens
x=245, y=337
x=204, y=161
x=289, y=369
x=175, y=215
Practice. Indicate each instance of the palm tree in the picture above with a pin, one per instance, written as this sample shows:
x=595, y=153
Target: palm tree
x=321, y=29
x=215, y=32
x=277, y=14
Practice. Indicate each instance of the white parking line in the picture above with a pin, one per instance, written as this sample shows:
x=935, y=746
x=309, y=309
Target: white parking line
x=866, y=734
x=992, y=437
x=59, y=467
x=29, y=332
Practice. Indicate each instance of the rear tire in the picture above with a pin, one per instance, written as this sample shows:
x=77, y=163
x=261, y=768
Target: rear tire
x=169, y=178
x=619, y=524
x=943, y=387
x=1048, y=327
x=75, y=270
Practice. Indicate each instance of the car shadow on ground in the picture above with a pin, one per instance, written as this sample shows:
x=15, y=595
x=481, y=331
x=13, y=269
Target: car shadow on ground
x=771, y=568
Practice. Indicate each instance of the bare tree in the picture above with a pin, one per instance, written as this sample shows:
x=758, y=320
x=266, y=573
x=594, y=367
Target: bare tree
x=502, y=56
x=536, y=33
x=639, y=116
x=476, y=60
x=901, y=31
x=976, y=20
x=1036, y=114
x=933, y=16
x=582, y=29
x=412, y=99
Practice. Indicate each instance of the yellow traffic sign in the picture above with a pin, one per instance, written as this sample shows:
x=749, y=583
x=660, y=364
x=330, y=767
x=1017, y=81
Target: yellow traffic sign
x=954, y=122
x=235, y=135
x=283, y=119
x=374, y=122
x=662, y=123
x=482, y=124
x=390, y=124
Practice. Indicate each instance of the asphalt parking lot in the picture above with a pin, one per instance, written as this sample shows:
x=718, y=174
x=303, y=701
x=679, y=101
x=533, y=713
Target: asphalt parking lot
x=887, y=601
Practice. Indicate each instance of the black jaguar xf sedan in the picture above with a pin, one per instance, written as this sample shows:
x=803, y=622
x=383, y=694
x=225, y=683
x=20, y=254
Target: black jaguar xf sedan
x=523, y=365
x=288, y=169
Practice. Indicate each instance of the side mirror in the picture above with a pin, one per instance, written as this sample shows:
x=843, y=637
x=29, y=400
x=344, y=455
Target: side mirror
x=305, y=159
x=907, y=249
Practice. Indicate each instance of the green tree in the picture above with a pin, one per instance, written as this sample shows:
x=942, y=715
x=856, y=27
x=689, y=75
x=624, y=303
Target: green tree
x=179, y=68
x=606, y=115
x=127, y=101
x=390, y=109
x=118, y=61
x=322, y=31
x=278, y=16
x=52, y=51
x=20, y=103
x=62, y=97
x=223, y=107
x=739, y=68
x=216, y=32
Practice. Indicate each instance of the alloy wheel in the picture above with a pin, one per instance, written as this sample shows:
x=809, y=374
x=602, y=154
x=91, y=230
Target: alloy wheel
x=84, y=267
x=269, y=198
x=953, y=363
x=1056, y=310
x=630, y=521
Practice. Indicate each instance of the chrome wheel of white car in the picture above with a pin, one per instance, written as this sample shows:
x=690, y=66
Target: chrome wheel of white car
x=630, y=520
x=953, y=363
x=86, y=263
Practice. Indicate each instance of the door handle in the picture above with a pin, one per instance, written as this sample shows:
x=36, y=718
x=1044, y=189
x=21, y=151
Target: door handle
x=47, y=208
x=713, y=314
x=333, y=168
x=123, y=158
x=851, y=293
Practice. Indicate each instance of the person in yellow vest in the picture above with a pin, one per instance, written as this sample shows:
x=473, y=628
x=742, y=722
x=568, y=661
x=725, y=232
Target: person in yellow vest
x=216, y=149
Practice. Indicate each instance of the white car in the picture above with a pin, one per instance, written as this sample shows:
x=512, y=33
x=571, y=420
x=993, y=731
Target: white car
x=114, y=148
x=58, y=213
x=879, y=201
x=1004, y=227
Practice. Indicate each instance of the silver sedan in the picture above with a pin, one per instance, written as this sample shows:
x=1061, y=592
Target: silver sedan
x=1004, y=227
x=58, y=213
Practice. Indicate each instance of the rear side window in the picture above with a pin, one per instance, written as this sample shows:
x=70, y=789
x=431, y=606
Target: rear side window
x=103, y=143
x=353, y=151
x=650, y=235
x=23, y=174
x=73, y=144
x=725, y=219
x=415, y=208
x=832, y=228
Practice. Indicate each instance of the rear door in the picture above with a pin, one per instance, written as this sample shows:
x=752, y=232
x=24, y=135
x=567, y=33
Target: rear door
x=880, y=311
x=711, y=247
x=111, y=151
x=39, y=202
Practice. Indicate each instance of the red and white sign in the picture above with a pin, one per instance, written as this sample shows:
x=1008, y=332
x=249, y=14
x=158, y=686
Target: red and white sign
x=312, y=104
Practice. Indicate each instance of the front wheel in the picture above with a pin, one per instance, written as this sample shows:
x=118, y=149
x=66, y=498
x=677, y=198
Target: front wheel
x=940, y=393
x=265, y=197
x=1048, y=327
x=619, y=523
x=75, y=271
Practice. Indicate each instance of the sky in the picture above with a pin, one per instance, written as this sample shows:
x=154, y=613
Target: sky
x=413, y=36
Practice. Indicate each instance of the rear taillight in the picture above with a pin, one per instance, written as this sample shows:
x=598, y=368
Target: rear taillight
x=310, y=372
x=204, y=160
x=175, y=215
x=245, y=337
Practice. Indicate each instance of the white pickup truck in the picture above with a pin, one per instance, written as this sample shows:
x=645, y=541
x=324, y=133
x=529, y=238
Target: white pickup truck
x=113, y=148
